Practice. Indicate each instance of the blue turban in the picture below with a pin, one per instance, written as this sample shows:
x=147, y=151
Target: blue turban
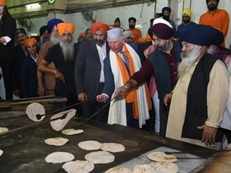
x=200, y=35
x=53, y=22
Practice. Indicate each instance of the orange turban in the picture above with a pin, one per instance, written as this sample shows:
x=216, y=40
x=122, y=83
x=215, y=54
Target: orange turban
x=2, y=2
x=30, y=41
x=65, y=27
x=98, y=26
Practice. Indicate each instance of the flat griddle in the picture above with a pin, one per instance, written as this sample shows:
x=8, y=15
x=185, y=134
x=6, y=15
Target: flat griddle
x=25, y=151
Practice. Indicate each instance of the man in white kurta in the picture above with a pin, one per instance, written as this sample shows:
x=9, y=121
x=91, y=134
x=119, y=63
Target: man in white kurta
x=217, y=91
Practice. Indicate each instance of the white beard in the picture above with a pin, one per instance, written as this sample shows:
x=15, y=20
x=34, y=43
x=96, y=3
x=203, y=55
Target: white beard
x=68, y=51
x=54, y=40
x=188, y=60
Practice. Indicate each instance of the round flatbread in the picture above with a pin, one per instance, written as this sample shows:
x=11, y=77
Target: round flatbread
x=78, y=166
x=90, y=145
x=1, y=152
x=144, y=168
x=59, y=141
x=113, y=147
x=65, y=117
x=165, y=167
x=161, y=157
x=70, y=132
x=100, y=157
x=119, y=170
x=35, y=112
x=3, y=130
x=59, y=157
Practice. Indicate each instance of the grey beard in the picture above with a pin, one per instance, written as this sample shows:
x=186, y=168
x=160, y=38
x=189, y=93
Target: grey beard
x=54, y=40
x=188, y=60
x=68, y=51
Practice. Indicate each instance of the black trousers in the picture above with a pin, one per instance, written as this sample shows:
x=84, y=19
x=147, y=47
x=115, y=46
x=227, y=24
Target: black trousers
x=92, y=106
x=163, y=118
x=226, y=133
x=8, y=80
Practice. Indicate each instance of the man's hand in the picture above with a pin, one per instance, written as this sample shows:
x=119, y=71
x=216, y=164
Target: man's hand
x=2, y=40
x=121, y=92
x=102, y=98
x=58, y=75
x=167, y=99
x=209, y=135
x=82, y=97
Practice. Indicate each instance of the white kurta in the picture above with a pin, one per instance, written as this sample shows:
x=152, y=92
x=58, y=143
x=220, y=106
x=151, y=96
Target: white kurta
x=216, y=101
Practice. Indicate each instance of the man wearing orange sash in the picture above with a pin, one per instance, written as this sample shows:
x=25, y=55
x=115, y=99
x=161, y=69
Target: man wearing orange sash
x=122, y=63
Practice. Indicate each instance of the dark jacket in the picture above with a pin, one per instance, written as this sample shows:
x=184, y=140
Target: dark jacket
x=28, y=78
x=87, y=69
x=66, y=88
x=7, y=28
x=18, y=60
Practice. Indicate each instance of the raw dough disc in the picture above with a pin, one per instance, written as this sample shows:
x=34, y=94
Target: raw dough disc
x=78, y=166
x=100, y=157
x=113, y=147
x=59, y=141
x=165, y=167
x=3, y=130
x=119, y=170
x=161, y=157
x=72, y=131
x=90, y=145
x=1, y=152
x=59, y=157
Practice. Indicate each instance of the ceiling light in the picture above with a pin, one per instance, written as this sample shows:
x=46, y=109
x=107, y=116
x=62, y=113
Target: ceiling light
x=33, y=7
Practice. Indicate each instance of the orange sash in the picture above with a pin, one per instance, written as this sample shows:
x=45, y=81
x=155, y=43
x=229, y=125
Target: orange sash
x=132, y=97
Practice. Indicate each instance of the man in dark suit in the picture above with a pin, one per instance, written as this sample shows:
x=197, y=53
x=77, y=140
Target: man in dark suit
x=28, y=75
x=63, y=56
x=89, y=75
x=20, y=54
x=7, y=31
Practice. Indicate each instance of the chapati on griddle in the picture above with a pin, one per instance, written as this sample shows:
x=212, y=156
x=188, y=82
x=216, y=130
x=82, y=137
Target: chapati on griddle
x=58, y=141
x=59, y=157
x=70, y=132
x=100, y=157
x=64, y=116
x=113, y=147
x=3, y=130
x=78, y=166
x=89, y=145
x=1, y=152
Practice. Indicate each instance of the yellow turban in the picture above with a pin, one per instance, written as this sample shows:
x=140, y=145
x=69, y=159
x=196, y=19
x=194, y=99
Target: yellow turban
x=2, y=2
x=65, y=28
x=30, y=41
x=187, y=12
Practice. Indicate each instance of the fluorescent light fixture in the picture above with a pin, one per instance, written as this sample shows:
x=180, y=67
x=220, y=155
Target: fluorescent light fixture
x=33, y=7
x=34, y=34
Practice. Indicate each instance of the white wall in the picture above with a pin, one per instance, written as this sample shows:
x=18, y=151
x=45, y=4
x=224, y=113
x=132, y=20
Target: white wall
x=143, y=12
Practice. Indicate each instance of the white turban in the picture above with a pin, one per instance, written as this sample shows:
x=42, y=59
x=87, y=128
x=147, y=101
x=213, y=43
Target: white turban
x=163, y=21
x=115, y=34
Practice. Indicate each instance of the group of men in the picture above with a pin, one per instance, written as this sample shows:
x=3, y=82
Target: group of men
x=187, y=95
